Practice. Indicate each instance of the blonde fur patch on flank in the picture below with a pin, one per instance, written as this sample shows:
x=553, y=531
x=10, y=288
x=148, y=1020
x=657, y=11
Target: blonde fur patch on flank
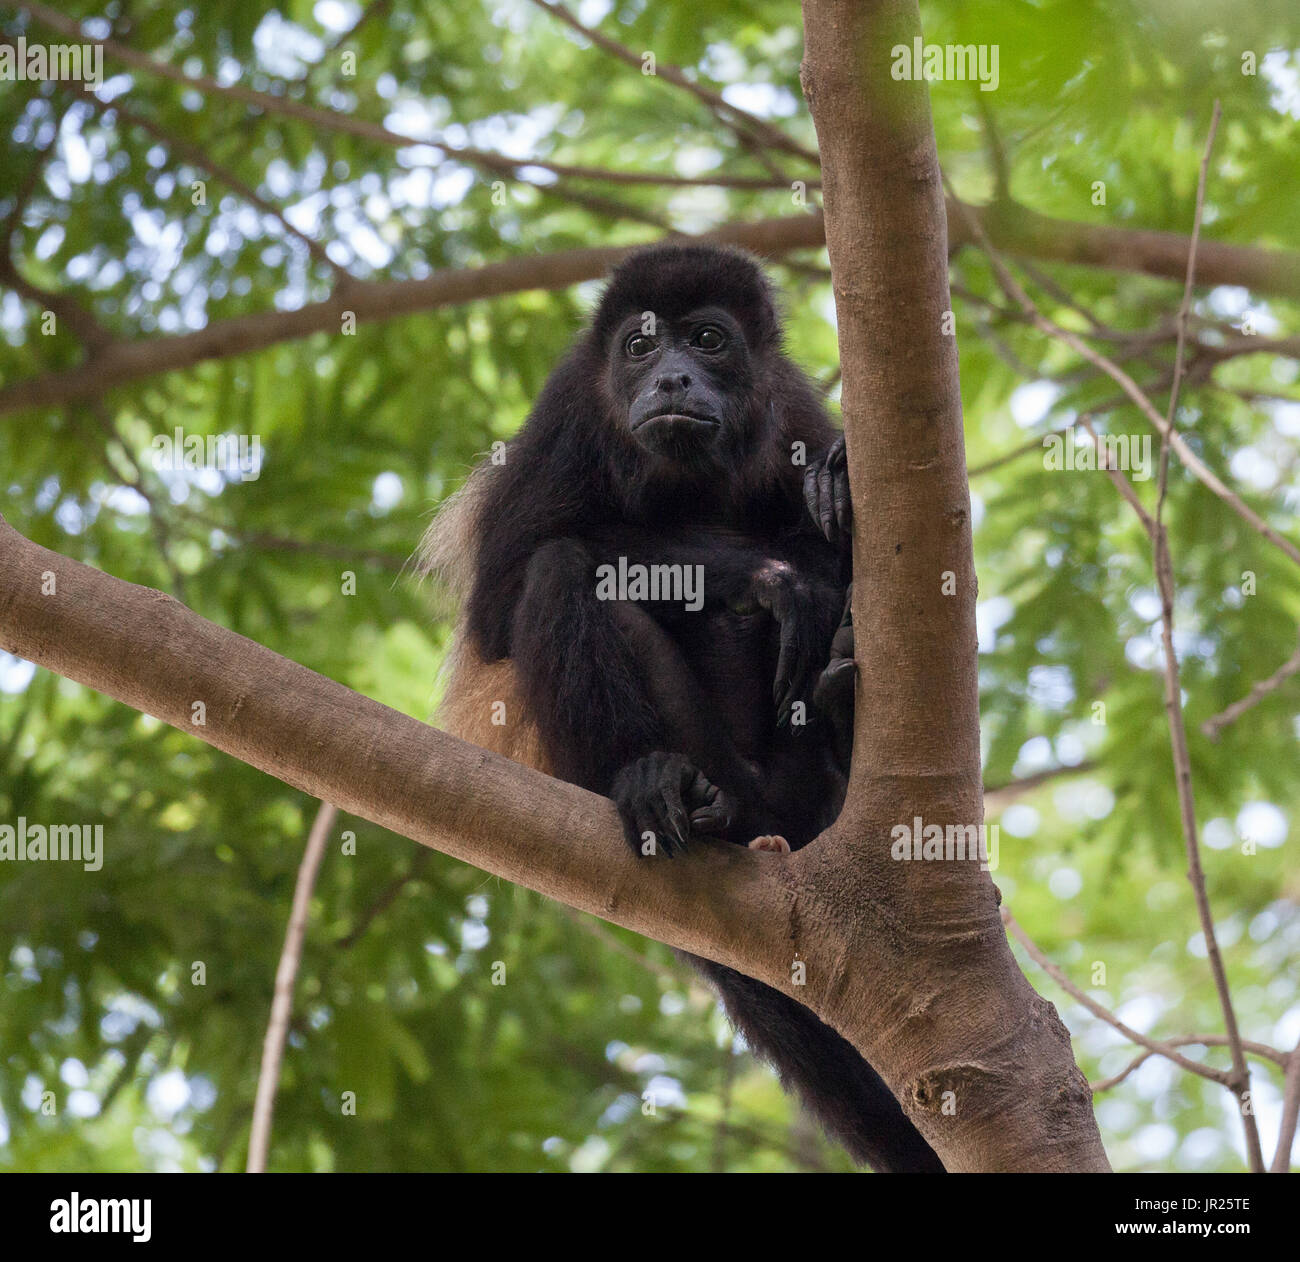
x=482, y=702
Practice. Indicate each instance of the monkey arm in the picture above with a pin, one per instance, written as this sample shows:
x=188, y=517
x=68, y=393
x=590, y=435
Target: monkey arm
x=622, y=711
x=794, y=579
x=578, y=674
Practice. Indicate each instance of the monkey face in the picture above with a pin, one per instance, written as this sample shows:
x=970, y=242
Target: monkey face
x=681, y=387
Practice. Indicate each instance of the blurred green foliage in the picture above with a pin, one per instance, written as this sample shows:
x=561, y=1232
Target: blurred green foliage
x=363, y=434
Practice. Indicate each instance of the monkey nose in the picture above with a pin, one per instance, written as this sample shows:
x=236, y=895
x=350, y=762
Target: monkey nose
x=673, y=381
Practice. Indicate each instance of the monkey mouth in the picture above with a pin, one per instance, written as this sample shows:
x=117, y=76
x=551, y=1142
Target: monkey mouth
x=671, y=420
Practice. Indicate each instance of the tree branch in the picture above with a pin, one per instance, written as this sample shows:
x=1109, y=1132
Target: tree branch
x=1159, y=532
x=726, y=903
x=387, y=896
x=1184, y=310
x=371, y=301
x=1018, y=231
x=1000, y=795
x=1239, y=1079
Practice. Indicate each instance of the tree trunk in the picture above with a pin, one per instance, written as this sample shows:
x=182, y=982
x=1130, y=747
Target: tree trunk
x=925, y=985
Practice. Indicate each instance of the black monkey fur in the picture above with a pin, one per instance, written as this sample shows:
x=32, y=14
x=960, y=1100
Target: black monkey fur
x=668, y=436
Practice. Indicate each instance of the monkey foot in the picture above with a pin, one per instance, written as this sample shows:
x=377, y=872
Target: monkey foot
x=778, y=845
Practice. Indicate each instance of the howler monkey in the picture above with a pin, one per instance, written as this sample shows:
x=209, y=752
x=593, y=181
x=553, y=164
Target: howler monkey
x=652, y=578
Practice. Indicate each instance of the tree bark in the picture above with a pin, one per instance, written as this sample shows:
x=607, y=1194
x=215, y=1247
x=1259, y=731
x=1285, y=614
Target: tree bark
x=926, y=986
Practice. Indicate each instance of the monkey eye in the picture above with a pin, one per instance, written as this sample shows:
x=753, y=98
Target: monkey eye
x=710, y=338
x=639, y=346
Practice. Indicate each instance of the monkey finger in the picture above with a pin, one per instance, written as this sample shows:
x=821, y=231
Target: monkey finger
x=636, y=824
x=834, y=683
x=784, y=692
x=842, y=642
x=781, y=682
x=826, y=502
x=657, y=813
x=811, y=497
x=715, y=813
x=795, y=668
x=843, y=503
x=673, y=810
x=713, y=820
x=653, y=821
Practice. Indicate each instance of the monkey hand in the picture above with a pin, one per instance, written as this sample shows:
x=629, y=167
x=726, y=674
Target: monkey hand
x=826, y=492
x=833, y=692
x=663, y=798
x=802, y=628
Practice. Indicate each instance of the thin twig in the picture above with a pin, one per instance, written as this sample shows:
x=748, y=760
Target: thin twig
x=1262, y=1050
x=1157, y=1046
x=277, y=1029
x=1239, y=1080
x=997, y=152
x=1178, y=727
x=374, y=9
x=1213, y=726
x=732, y=116
x=1122, y=484
x=1059, y=293
x=1034, y=444
x=1162, y=481
x=1290, y=1111
x=385, y=900
x=597, y=930
x=1191, y=461
x=1000, y=795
